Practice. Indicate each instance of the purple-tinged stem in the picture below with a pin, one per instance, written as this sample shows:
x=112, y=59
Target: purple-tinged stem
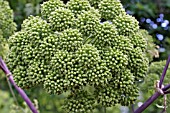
x=151, y=100
x=166, y=87
x=20, y=91
x=147, y=103
x=164, y=72
x=167, y=92
x=157, y=94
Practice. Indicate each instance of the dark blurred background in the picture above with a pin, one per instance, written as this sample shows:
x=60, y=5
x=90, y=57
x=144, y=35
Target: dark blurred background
x=154, y=16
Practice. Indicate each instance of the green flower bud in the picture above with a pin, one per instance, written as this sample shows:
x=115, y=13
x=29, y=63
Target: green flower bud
x=115, y=60
x=70, y=40
x=109, y=9
x=78, y=6
x=6, y=16
x=107, y=96
x=138, y=41
x=48, y=7
x=79, y=103
x=138, y=63
x=106, y=35
x=94, y=3
x=36, y=24
x=126, y=24
x=87, y=56
x=61, y=19
x=99, y=75
x=88, y=22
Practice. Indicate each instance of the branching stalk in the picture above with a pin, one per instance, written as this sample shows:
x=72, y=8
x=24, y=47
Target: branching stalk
x=151, y=100
x=167, y=92
x=157, y=94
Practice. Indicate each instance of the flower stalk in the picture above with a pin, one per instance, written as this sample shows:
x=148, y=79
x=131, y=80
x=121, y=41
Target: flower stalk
x=20, y=91
x=156, y=94
x=164, y=72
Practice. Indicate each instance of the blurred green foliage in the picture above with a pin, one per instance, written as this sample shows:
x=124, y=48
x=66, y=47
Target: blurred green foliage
x=24, y=8
x=5, y=101
x=8, y=105
x=24, y=109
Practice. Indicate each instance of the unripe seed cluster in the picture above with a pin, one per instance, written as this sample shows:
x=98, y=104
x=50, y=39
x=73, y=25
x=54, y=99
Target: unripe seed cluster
x=70, y=48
